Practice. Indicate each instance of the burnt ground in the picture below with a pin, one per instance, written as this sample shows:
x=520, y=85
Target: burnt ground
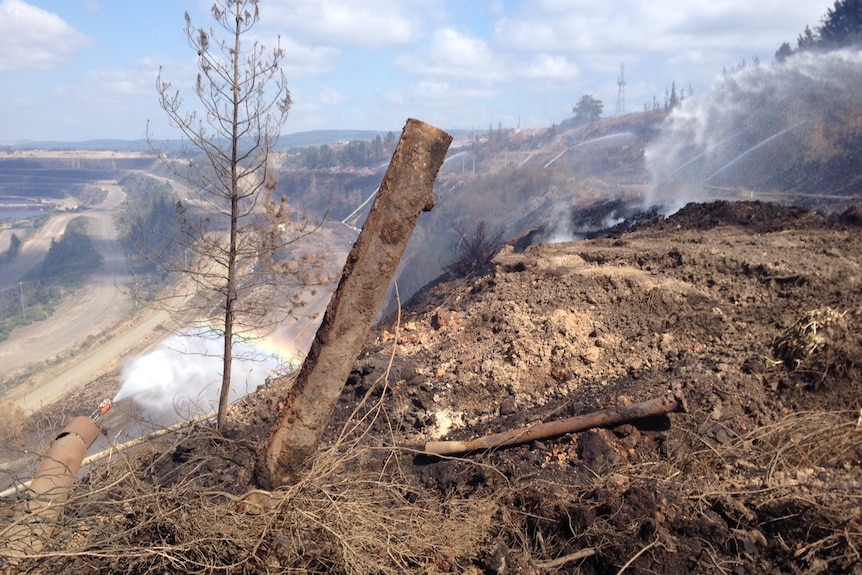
x=750, y=311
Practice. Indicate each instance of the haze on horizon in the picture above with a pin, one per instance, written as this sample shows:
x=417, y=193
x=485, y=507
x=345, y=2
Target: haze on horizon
x=75, y=70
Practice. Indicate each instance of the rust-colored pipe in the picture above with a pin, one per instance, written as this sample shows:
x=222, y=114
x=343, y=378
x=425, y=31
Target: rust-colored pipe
x=50, y=488
x=602, y=418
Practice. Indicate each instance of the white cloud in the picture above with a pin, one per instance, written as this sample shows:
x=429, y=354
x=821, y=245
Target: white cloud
x=580, y=27
x=452, y=53
x=327, y=98
x=32, y=38
x=330, y=97
x=373, y=62
x=346, y=23
x=431, y=90
x=304, y=61
x=111, y=84
x=661, y=41
x=102, y=96
x=448, y=103
x=439, y=93
x=548, y=67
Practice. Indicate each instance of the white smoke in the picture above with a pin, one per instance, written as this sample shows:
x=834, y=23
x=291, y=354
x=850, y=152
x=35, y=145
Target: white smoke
x=182, y=378
x=561, y=229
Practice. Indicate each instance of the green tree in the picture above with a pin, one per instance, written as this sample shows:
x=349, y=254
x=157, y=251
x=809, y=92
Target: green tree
x=72, y=257
x=235, y=232
x=806, y=40
x=588, y=109
x=784, y=51
x=842, y=25
x=839, y=28
x=672, y=99
x=13, y=250
x=151, y=220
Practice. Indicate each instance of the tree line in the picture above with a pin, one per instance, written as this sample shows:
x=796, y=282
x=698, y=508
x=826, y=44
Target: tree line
x=12, y=251
x=353, y=154
x=840, y=27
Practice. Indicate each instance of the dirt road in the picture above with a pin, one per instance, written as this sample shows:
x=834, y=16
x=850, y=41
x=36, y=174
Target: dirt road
x=83, y=319
x=32, y=251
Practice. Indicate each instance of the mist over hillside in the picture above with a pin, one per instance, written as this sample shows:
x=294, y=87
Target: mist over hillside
x=792, y=129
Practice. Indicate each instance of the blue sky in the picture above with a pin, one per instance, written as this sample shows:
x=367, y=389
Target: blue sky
x=85, y=69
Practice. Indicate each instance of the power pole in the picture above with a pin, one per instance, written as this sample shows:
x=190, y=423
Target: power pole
x=23, y=312
x=621, y=92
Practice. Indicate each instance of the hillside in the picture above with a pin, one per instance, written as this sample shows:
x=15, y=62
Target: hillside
x=750, y=311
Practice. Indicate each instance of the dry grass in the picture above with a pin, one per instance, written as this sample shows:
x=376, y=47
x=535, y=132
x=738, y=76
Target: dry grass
x=186, y=505
x=353, y=512
x=12, y=420
x=806, y=336
x=824, y=343
x=794, y=480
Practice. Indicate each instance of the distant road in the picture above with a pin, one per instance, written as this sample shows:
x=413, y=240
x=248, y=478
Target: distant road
x=89, y=313
x=32, y=251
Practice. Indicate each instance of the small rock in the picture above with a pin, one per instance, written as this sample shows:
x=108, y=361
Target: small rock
x=596, y=452
x=508, y=406
x=628, y=435
x=441, y=318
x=754, y=365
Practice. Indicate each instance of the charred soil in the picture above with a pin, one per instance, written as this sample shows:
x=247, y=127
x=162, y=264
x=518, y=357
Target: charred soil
x=750, y=311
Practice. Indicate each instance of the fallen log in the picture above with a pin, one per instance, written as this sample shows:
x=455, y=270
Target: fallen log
x=539, y=430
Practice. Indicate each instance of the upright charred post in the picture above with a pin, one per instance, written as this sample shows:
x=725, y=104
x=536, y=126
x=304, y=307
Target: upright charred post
x=406, y=191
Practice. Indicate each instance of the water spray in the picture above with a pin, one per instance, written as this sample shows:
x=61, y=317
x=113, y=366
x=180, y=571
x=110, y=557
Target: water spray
x=181, y=378
x=752, y=149
x=752, y=130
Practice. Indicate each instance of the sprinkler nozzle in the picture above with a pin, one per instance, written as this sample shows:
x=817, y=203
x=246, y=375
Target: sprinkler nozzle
x=101, y=410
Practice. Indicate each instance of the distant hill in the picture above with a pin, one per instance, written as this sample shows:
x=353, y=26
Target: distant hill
x=285, y=142
x=86, y=146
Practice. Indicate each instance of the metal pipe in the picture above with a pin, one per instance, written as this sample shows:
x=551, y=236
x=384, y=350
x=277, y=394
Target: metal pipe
x=540, y=430
x=51, y=485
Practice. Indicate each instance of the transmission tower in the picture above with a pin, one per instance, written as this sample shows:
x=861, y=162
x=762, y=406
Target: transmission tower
x=621, y=93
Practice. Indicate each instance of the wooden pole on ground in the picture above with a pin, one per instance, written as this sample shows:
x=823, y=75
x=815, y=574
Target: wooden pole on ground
x=406, y=191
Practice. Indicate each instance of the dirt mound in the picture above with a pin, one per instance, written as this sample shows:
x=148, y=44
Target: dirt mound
x=757, y=216
x=697, y=302
x=718, y=303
